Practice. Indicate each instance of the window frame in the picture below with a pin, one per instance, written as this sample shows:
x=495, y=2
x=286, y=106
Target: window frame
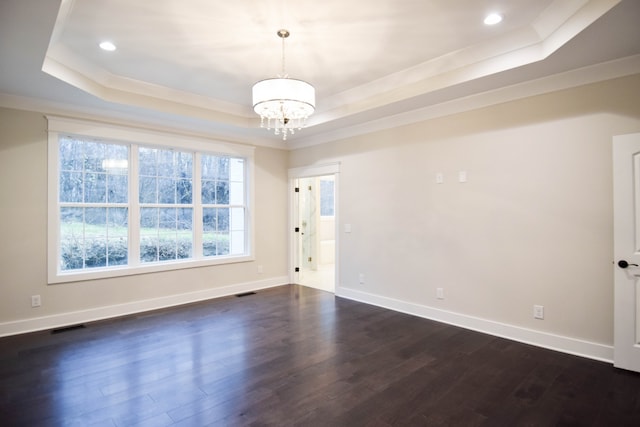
x=135, y=138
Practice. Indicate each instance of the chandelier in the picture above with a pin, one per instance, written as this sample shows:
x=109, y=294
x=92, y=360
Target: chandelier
x=283, y=104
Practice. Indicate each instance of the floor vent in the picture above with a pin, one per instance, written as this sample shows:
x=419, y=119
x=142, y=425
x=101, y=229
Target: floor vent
x=67, y=329
x=245, y=294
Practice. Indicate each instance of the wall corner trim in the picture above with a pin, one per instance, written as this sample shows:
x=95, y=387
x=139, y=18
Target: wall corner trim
x=100, y=313
x=573, y=346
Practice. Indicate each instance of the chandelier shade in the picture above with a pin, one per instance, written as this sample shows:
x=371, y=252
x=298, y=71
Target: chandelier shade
x=283, y=104
x=284, y=98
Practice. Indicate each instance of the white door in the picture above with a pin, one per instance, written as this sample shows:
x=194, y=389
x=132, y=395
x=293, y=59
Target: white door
x=308, y=224
x=626, y=201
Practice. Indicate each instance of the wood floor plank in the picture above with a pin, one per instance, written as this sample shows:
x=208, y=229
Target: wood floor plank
x=295, y=356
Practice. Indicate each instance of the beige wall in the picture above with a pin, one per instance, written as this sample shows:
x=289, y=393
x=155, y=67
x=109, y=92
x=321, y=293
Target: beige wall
x=23, y=227
x=533, y=224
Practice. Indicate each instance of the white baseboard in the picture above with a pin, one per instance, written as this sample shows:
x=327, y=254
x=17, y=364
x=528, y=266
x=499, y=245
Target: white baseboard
x=101, y=313
x=541, y=339
x=564, y=344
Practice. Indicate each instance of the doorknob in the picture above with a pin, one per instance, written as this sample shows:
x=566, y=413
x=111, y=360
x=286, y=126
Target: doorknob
x=624, y=264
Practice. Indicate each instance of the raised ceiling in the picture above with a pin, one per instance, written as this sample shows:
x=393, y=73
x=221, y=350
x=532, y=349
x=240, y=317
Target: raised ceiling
x=191, y=63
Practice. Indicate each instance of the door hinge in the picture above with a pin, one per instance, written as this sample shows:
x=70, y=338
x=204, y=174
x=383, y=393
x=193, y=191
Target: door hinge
x=297, y=269
x=309, y=188
x=310, y=259
x=297, y=229
x=297, y=189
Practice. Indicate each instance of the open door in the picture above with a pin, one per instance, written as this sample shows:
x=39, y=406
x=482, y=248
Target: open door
x=316, y=235
x=626, y=200
x=314, y=219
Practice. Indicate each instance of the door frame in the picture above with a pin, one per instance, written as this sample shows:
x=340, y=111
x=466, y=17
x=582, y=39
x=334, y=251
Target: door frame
x=310, y=172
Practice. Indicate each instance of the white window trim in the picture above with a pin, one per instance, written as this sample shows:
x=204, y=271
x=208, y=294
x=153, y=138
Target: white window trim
x=116, y=133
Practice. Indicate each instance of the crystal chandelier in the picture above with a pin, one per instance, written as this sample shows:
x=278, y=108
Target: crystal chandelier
x=282, y=103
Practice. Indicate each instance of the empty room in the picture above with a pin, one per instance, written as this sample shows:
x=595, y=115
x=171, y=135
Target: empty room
x=361, y=213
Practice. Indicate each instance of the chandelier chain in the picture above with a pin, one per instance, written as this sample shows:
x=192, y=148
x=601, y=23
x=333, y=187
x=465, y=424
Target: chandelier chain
x=283, y=34
x=284, y=74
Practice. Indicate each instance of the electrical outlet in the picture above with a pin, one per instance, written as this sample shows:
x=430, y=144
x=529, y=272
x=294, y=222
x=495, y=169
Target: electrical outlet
x=361, y=278
x=36, y=301
x=538, y=312
x=260, y=269
x=440, y=293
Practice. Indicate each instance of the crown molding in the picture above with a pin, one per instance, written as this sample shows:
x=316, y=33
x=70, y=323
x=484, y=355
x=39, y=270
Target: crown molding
x=579, y=77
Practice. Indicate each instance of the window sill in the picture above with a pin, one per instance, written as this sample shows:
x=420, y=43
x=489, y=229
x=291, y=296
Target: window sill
x=105, y=273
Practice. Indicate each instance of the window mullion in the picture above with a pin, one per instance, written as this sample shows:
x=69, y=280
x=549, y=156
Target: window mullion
x=197, y=207
x=134, y=207
x=246, y=206
x=54, y=251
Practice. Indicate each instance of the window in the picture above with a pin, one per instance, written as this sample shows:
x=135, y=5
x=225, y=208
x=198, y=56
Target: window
x=223, y=215
x=148, y=203
x=166, y=204
x=92, y=204
x=327, y=195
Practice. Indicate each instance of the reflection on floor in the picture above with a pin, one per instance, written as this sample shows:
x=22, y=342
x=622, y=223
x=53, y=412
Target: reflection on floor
x=323, y=278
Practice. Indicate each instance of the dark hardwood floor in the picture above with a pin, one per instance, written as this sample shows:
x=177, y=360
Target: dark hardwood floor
x=297, y=356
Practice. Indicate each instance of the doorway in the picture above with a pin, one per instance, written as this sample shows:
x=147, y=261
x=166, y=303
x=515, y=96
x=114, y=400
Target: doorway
x=314, y=219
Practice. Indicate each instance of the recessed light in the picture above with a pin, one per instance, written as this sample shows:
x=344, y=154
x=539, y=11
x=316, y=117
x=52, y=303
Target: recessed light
x=492, y=19
x=108, y=46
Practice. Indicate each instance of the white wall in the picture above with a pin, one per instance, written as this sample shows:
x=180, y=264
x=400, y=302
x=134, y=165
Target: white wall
x=23, y=262
x=533, y=224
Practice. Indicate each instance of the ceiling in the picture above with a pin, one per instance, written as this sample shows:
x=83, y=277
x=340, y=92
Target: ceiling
x=190, y=64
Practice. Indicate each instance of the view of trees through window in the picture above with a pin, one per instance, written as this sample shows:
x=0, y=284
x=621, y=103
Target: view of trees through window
x=166, y=204
x=222, y=198
x=95, y=205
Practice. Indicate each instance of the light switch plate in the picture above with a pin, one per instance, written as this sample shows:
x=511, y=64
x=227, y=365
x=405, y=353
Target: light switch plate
x=538, y=312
